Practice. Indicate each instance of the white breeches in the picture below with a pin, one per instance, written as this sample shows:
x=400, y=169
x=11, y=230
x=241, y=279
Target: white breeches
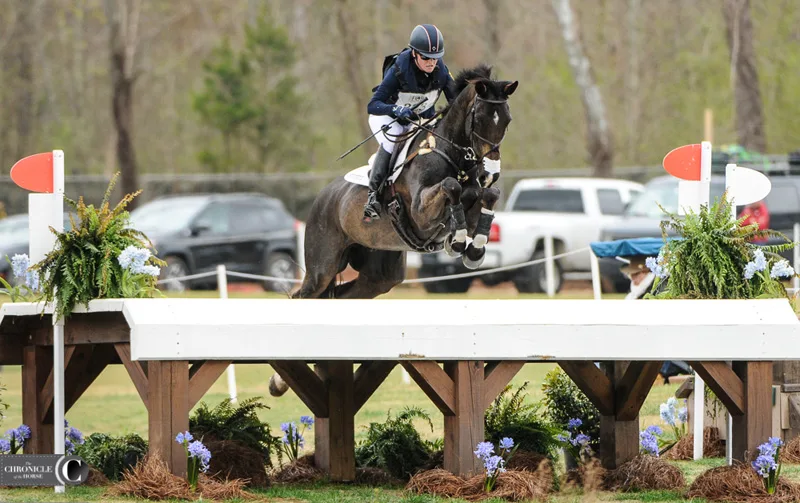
x=376, y=122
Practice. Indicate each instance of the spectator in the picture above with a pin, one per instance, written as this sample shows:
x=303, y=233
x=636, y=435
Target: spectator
x=756, y=213
x=640, y=276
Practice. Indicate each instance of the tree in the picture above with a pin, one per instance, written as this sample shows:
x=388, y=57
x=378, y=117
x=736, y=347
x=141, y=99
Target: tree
x=601, y=150
x=123, y=22
x=250, y=98
x=744, y=76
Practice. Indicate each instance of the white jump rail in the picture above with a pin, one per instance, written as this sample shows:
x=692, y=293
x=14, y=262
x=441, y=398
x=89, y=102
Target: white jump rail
x=246, y=329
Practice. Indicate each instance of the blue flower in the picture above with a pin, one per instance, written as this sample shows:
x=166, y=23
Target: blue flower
x=781, y=269
x=574, y=423
x=307, y=420
x=648, y=443
x=184, y=437
x=750, y=270
x=20, y=264
x=484, y=450
x=493, y=464
x=199, y=451
x=683, y=415
x=285, y=427
x=764, y=465
x=658, y=265
x=24, y=430
x=133, y=258
x=506, y=443
x=32, y=280
x=666, y=414
x=759, y=260
x=5, y=446
x=582, y=439
x=562, y=438
x=651, y=264
x=654, y=430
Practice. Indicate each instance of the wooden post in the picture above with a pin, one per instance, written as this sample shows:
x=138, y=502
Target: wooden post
x=37, y=363
x=334, y=436
x=754, y=427
x=168, y=411
x=464, y=430
x=619, y=440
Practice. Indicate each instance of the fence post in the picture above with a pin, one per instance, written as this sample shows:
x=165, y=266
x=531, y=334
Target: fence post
x=222, y=286
x=796, y=251
x=596, y=285
x=549, y=265
x=699, y=415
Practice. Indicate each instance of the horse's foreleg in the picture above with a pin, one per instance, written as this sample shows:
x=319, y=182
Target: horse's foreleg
x=475, y=252
x=433, y=199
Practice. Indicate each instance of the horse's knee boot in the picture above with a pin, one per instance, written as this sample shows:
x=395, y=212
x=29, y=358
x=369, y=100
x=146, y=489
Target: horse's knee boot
x=277, y=386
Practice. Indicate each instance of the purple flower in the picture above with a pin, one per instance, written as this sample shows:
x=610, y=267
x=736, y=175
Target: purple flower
x=493, y=464
x=286, y=426
x=199, y=451
x=764, y=465
x=654, y=430
x=24, y=430
x=574, y=423
x=484, y=450
x=5, y=446
x=506, y=443
x=648, y=443
x=307, y=420
x=184, y=437
x=683, y=414
x=581, y=439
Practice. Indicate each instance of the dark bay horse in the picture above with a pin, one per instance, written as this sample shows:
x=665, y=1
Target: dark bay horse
x=443, y=195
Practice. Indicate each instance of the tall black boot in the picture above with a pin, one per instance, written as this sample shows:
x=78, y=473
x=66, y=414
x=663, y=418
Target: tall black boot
x=377, y=175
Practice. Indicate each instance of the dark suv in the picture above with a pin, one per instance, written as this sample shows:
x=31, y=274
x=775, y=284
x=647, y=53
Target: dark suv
x=248, y=233
x=643, y=216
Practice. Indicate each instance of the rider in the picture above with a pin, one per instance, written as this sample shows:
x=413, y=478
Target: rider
x=418, y=75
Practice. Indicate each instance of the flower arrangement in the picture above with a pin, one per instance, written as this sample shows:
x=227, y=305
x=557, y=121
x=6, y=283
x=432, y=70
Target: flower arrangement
x=292, y=439
x=575, y=442
x=14, y=439
x=494, y=464
x=198, y=457
x=26, y=286
x=99, y=257
x=715, y=257
x=768, y=464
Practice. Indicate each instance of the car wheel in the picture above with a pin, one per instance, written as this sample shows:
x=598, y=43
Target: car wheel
x=176, y=268
x=280, y=265
x=533, y=279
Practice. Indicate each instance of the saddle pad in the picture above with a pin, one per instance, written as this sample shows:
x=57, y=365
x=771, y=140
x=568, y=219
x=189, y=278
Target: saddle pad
x=360, y=175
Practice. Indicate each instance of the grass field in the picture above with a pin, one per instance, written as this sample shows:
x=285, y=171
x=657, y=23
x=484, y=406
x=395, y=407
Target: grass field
x=111, y=405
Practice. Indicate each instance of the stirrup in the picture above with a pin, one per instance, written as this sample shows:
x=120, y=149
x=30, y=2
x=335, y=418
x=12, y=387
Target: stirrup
x=370, y=214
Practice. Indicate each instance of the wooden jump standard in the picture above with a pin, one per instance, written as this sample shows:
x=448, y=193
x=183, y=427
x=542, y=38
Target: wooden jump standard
x=174, y=349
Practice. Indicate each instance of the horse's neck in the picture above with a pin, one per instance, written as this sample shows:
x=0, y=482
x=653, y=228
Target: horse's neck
x=452, y=127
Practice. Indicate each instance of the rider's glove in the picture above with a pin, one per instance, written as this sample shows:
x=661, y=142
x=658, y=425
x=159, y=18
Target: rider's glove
x=403, y=113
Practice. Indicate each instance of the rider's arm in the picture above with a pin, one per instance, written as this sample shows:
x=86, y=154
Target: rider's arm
x=388, y=88
x=449, y=86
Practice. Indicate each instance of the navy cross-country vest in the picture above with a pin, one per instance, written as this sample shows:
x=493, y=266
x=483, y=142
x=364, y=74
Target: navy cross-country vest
x=414, y=85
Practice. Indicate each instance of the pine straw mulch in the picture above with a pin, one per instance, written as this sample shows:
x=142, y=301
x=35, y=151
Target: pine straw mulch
x=233, y=460
x=300, y=471
x=644, y=473
x=96, y=478
x=740, y=483
x=151, y=479
x=683, y=450
x=591, y=476
x=791, y=452
x=512, y=485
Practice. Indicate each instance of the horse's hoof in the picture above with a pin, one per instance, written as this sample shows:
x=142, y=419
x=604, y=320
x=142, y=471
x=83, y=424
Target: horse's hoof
x=455, y=248
x=277, y=386
x=473, y=258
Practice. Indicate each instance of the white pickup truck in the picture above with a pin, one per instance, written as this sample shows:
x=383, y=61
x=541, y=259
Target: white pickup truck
x=572, y=210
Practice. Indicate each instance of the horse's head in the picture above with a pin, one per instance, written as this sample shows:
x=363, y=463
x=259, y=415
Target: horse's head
x=486, y=116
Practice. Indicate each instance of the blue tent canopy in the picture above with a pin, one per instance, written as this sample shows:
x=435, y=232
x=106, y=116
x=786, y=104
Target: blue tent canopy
x=627, y=247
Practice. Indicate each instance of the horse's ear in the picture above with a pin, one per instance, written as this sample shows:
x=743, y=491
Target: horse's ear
x=481, y=88
x=509, y=88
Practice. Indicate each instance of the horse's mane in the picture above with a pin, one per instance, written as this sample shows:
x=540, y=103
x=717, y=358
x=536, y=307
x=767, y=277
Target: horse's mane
x=481, y=71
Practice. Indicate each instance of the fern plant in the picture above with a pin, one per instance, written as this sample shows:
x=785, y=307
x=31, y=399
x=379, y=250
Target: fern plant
x=395, y=445
x=239, y=423
x=112, y=455
x=85, y=263
x=511, y=416
x=715, y=257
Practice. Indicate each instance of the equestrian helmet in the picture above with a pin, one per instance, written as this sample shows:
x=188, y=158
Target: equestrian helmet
x=427, y=40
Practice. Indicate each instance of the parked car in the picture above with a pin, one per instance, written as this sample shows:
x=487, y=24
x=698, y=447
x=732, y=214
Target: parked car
x=643, y=217
x=14, y=239
x=248, y=233
x=572, y=210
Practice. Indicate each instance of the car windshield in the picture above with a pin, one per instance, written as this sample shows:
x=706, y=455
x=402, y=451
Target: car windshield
x=14, y=229
x=664, y=193
x=166, y=215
